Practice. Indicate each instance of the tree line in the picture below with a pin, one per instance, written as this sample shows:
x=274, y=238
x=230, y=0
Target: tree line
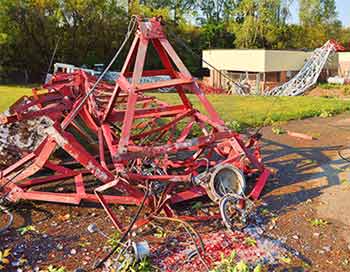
x=90, y=31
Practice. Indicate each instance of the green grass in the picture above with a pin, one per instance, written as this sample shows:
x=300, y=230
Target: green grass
x=10, y=94
x=332, y=86
x=250, y=111
x=254, y=111
x=345, y=89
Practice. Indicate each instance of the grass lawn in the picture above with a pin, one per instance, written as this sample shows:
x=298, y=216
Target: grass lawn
x=258, y=110
x=248, y=111
x=9, y=95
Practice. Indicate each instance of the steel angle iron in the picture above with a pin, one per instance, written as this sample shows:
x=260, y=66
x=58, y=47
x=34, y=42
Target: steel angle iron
x=112, y=140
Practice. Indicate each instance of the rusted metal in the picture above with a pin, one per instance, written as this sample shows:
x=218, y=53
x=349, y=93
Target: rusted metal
x=300, y=135
x=124, y=139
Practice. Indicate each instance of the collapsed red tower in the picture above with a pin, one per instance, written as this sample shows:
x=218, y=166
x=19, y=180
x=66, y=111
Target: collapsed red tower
x=129, y=140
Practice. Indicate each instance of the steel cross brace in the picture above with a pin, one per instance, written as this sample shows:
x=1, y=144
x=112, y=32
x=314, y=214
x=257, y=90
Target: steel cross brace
x=123, y=138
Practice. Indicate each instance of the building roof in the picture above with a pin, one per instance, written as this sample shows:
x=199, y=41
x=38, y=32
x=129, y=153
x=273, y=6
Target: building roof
x=255, y=60
x=344, y=57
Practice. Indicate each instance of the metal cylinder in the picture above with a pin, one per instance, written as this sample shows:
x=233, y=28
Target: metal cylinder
x=225, y=179
x=141, y=250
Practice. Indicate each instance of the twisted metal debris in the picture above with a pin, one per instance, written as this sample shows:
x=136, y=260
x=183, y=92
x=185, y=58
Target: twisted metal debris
x=114, y=141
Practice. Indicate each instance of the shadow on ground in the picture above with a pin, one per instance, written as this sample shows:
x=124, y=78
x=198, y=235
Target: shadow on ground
x=302, y=173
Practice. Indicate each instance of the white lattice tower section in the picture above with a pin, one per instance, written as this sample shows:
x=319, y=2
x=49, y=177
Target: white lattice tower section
x=308, y=75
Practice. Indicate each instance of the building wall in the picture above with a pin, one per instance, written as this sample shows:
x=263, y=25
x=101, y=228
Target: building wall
x=344, y=56
x=261, y=60
x=344, y=64
x=255, y=60
x=279, y=60
x=252, y=60
x=263, y=69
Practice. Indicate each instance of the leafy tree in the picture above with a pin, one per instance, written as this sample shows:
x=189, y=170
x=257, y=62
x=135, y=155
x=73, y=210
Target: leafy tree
x=216, y=11
x=216, y=35
x=258, y=23
x=214, y=17
x=319, y=18
x=178, y=8
x=330, y=19
x=88, y=31
x=310, y=12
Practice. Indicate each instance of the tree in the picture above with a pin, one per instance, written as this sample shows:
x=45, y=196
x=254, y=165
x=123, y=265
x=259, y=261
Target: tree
x=319, y=18
x=214, y=17
x=330, y=19
x=216, y=11
x=88, y=31
x=345, y=37
x=29, y=31
x=178, y=8
x=310, y=12
x=258, y=24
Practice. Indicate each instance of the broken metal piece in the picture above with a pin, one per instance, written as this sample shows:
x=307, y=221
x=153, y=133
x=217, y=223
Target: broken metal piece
x=6, y=219
x=225, y=179
x=300, y=135
x=235, y=210
x=141, y=250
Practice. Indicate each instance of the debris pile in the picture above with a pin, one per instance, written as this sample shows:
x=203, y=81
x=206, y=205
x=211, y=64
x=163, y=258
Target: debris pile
x=118, y=144
x=219, y=245
x=20, y=138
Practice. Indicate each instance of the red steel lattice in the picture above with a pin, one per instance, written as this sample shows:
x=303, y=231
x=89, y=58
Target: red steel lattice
x=127, y=139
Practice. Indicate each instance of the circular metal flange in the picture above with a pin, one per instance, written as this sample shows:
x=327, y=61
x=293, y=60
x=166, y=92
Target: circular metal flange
x=234, y=211
x=6, y=218
x=225, y=179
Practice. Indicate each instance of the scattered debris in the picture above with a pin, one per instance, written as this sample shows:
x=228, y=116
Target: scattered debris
x=300, y=135
x=19, y=138
x=325, y=114
x=295, y=237
x=4, y=258
x=52, y=268
x=218, y=246
x=278, y=130
x=338, y=80
x=286, y=259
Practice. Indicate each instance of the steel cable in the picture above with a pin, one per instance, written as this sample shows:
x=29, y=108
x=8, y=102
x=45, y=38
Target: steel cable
x=126, y=233
x=52, y=58
x=131, y=27
x=339, y=151
x=192, y=52
x=188, y=228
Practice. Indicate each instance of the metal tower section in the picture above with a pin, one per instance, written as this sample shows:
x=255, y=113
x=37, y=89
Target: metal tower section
x=310, y=72
x=115, y=143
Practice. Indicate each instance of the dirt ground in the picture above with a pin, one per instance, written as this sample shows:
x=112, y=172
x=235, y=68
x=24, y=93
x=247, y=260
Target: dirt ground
x=312, y=182
x=305, y=206
x=332, y=92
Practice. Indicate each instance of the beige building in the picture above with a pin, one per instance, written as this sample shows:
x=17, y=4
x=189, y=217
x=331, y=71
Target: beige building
x=258, y=68
x=344, y=64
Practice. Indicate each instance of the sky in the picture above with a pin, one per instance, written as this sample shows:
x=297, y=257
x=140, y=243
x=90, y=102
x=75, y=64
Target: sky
x=343, y=8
